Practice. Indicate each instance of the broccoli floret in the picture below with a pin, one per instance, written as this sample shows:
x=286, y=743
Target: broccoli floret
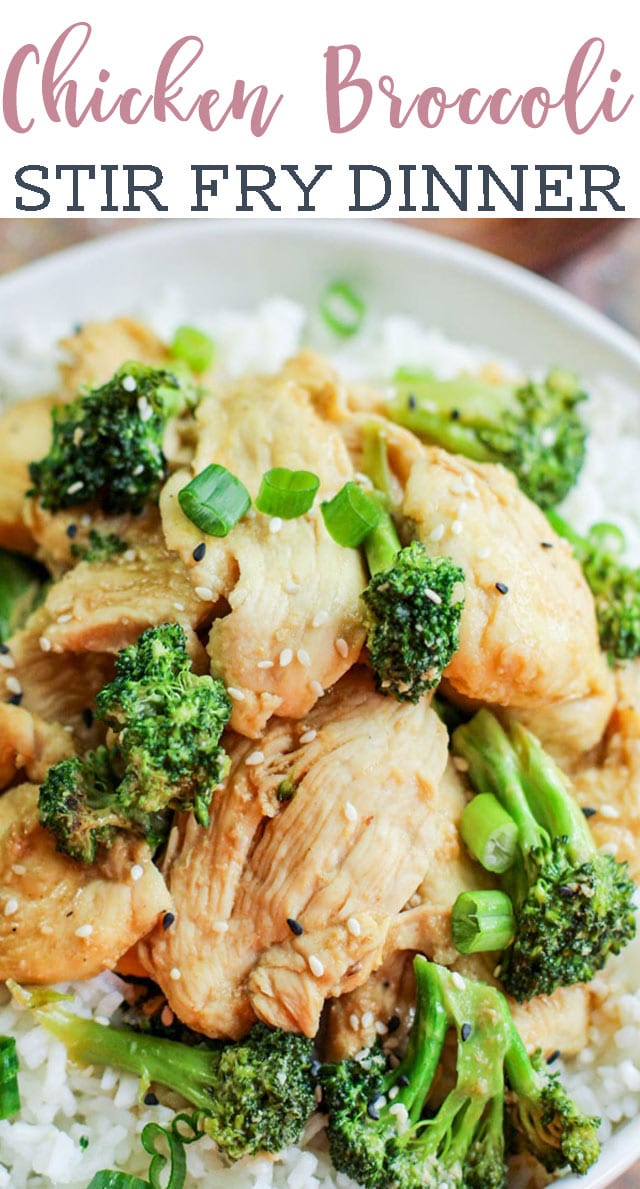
x=413, y=601
x=107, y=444
x=534, y=430
x=572, y=907
x=614, y=586
x=165, y=754
x=255, y=1094
x=99, y=547
x=383, y=1132
x=21, y=584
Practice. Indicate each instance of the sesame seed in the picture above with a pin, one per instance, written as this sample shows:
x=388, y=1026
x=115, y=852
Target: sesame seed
x=350, y=812
x=144, y=409
x=285, y=658
x=84, y=931
x=77, y=486
x=547, y=544
x=71, y=531
x=295, y=926
x=14, y=685
x=265, y=665
x=367, y=1019
x=87, y=716
x=303, y=657
x=548, y=436
x=129, y=384
x=291, y=587
x=458, y=980
x=18, y=869
x=205, y=593
x=317, y=689
x=167, y=920
x=150, y=1098
x=588, y=811
x=553, y=1056
x=354, y=1021
x=381, y=1028
x=137, y=872
x=399, y=1110
x=45, y=644
x=235, y=693
x=502, y=588
x=175, y=974
x=484, y=552
x=46, y=929
x=6, y=661
x=199, y=551
x=342, y=647
x=393, y=1024
x=437, y=533
x=320, y=618
x=354, y=927
x=609, y=811
x=434, y=596
x=65, y=618
x=220, y=927
x=166, y=1016
x=308, y=737
x=179, y=606
x=137, y=470
x=78, y=435
x=256, y=757
x=456, y=528
x=129, y=555
x=15, y=699
x=393, y=1093
x=275, y=524
x=11, y=907
x=85, y=520
x=315, y=966
x=466, y=1031
x=609, y=848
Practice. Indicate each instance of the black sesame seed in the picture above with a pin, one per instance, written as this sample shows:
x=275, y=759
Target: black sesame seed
x=150, y=1099
x=72, y=531
x=566, y=892
x=393, y=1024
x=412, y=402
x=547, y=544
x=589, y=812
x=15, y=699
x=315, y=1067
x=295, y=927
x=455, y=414
x=87, y=716
x=466, y=1031
x=167, y=920
x=372, y=1109
x=199, y=551
x=553, y=1056
x=502, y=587
x=3, y=649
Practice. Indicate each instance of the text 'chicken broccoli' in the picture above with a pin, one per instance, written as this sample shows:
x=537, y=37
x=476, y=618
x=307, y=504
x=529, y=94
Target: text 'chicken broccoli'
x=382, y=1133
x=107, y=444
x=564, y=908
x=534, y=429
x=165, y=753
x=614, y=586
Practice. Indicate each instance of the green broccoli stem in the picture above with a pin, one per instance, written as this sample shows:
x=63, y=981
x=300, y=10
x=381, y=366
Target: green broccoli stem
x=20, y=587
x=482, y=921
x=382, y=545
x=438, y=410
x=548, y=796
x=525, y=1081
x=425, y=1044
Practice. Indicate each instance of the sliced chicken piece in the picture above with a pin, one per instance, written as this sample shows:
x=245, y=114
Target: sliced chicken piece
x=333, y=397
x=294, y=622
x=25, y=435
x=569, y=729
x=98, y=349
x=365, y=770
x=60, y=919
x=62, y=537
x=30, y=745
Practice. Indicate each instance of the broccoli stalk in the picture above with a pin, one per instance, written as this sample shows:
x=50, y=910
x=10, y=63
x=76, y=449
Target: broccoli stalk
x=107, y=444
x=413, y=601
x=20, y=590
x=256, y=1094
x=614, y=586
x=533, y=429
x=165, y=754
x=395, y=1140
x=572, y=906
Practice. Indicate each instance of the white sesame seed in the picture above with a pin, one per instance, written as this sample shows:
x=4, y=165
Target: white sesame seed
x=434, y=596
x=395, y=1090
x=609, y=848
x=137, y=872
x=458, y=980
x=399, y=1110
x=85, y=520
x=138, y=470
x=129, y=555
x=609, y=811
x=484, y=552
x=166, y=1016
x=308, y=737
x=367, y=1019
x=303, y=657
x=291, y=587
x=84, y=931
x=65, y=618
x=320, y=618
x=354, y=1021
x=104, y=1020
x=256, y=757
x=317, y=689
x=13, y=685
x=381, y=1028
x=78, y=435
x=179, y=606
x=315, y=966
x=175, y=974
x=350, y=812
x=235, y=693
x=285, y=658
x=275, y=524
x=11, y=907
x=46, y=929
x=6, y=661
x=342, y=647
x=437, y=533
x=354, y=927
x=144, y=408
x=45, y=644
x=220, y=926
x=265, y=665
x=129, y=384
x=205, y=593
x=18, y=869
x=456, y=528
x=548, y=436
x=77, y=486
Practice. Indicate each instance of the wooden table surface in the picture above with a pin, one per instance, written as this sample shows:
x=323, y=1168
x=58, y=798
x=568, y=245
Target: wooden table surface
x=598, y=260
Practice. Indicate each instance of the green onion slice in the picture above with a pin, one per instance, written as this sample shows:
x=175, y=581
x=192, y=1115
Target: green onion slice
x=342, y=309
x=196, y=348
x=215, y=500
x=9, y=1093
x=110, y=1179
x=489, y=833
x=607, y=537
x=287, y=493
x=351, y=515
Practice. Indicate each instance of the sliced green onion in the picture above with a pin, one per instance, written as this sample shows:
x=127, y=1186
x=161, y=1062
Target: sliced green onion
x=350, y=515
x=287, y=493
x=489, y=833
x=482, y=922
x=412, y=375
x=196, y=348
x=110, y=1179
x=215, y=500
x=9, y=1093
x=342, y=309
x=608, y=537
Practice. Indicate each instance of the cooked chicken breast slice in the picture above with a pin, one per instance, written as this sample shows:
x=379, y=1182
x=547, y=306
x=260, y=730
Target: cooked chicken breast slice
x=60, y=919
x=29, y=744
x=365, y=770
x=62, y=537
x=98, y=349
x=25, y=435
x=292, y=595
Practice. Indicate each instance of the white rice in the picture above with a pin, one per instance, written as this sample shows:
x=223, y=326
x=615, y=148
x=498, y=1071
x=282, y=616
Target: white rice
x=63, y=1106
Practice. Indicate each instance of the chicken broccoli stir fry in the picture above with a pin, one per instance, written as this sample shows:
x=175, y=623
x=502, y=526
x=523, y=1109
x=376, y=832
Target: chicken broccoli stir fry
x=295, y=742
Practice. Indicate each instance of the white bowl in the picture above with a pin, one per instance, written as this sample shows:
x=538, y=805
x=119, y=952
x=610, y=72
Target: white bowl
x=467, y=294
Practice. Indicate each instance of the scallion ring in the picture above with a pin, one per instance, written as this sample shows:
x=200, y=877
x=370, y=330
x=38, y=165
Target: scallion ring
x=286, y=493
x=607, y=537
x=342, y=309
x=351, y=515
x=196, y=348
x=215, y=500
x=110, y=1179
x=9, y=1093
